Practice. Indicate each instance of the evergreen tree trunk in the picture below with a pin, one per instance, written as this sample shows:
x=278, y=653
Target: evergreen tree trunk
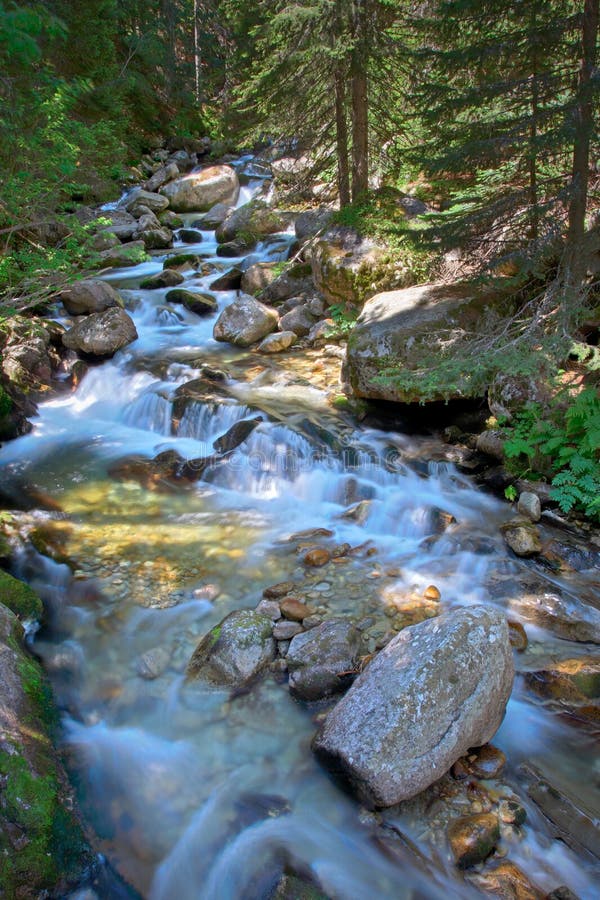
x=360, y=103
x=196, y=55
x=584, y=123
x=341, y=130
x=533, y=134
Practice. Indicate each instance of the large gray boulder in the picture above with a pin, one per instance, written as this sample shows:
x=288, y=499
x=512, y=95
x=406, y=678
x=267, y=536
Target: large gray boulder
x=101, y=334
x=89, y=296
x=253, y=219
x=235, y=651
x=139, y=197
x=311, y=222
x=245, y=321
x=321, y=661
x=201, y=190
x=436, y=690
x=161, y=176
x=416, y=328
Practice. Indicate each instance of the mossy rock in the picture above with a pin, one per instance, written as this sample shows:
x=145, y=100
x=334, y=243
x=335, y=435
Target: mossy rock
x=19, y=597
x=43, y=851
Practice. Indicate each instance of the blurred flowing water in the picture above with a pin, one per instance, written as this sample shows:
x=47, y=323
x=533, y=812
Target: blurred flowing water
x=193, y=793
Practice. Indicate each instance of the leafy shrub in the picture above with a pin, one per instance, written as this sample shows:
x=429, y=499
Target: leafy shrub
x=561, y=443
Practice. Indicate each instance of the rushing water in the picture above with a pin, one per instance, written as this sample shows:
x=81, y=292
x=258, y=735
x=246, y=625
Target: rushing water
x=193, y=793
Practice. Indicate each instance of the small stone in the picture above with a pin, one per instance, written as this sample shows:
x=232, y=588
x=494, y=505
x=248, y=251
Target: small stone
x=530, y=505
x=153, y=663
x=488, y=762
x=269, y=608
x=517, y=636
x=208, y=592
x=311, y=622
x=278, y=590
x=317, y=557
x=561, y=893
x=511, y=812
x=283, y=647
x=285, y=630
x=473, y=838
x=508, y=881
x=432, y=593
x=295, y=610
x=523, y=538
x=340, y=550
x=277, y=342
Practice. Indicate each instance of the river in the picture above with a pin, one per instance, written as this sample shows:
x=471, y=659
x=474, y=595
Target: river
x=194, y=793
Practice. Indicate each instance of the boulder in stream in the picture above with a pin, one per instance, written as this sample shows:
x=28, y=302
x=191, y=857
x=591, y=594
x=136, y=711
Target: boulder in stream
x=101, y=334
x=324, y=660
x=200, y=191
x=437, y=689
x=235, y=651
x=201, y=304
x=91, y=295
x=245, y=321
x=254, y=218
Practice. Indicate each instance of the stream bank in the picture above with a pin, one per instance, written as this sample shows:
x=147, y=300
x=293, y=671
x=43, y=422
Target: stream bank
x=146, y=563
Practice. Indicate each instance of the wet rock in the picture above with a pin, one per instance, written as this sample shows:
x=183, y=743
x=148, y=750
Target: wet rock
x=323, y=661
x=162, y=176
x=529, y=505
x=229, y=281
x=512, y=812
x=317, y=557
x=170, y=219
x=432, y=593
x=183, y=261
x=473, y=838
x=570, y=555
x=507, y=881
x=567, y=617
x=269, y=608
x=485, y=762
x=200, y=304
x=491, y=443
x=561, y=893
x=437, y=689
x=165, y=279
x=571, y=819
x=160, y=238
x=101, y=334
x=522, y=537
x=153, y=663
x=129, y=254
x=285, y=630
x=518, y=636
x=235, y=651
x=19, y=598
x=278, y=590
x=236, y=435
x=572, y=684
x=299, y=320
x=89, y=296
x=294, y=609
x=358, y=512
x=202, y=190
x=139, y=197
x=278, y=342
x=254, y=218
x=245, y=321
x=214, y=217
x=238, y=247
x=190, y=236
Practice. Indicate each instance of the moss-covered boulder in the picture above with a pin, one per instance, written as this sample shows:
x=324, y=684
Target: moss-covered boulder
x=349, y=268
x=402, y=334
x=253, y=219
x=19, y=597
x=235, y=651
x=43, y=851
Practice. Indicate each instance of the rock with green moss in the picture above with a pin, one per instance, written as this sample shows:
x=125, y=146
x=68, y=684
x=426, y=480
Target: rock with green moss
x=235, y=651
x=350, y=268
x=254, y=218
x=403, y=338
x=43, y=851
x=19, y=597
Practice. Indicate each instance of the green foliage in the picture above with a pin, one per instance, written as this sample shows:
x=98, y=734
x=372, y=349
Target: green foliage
x=344, y=315
x=511, y=493
x=561, y=442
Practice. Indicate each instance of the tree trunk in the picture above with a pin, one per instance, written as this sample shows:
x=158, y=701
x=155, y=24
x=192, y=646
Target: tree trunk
x=341, y=131
x=196, y=55
x=533, y=133
x=360, y=102
x=584, y=123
